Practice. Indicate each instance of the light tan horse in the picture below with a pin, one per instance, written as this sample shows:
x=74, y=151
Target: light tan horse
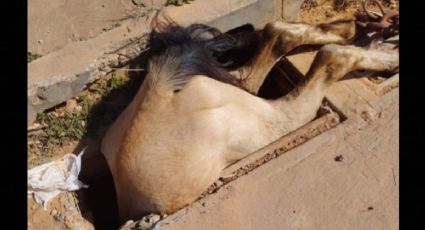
x=189, y=119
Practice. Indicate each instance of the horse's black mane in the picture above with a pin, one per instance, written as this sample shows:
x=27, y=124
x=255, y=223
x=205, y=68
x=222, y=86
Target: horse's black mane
x=202, y=50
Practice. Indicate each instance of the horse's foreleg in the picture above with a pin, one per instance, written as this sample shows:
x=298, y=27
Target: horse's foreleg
x=279, y=38
x=331, y=63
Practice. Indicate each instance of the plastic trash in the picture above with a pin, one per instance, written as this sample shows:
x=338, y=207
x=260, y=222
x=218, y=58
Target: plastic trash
x=47, y=180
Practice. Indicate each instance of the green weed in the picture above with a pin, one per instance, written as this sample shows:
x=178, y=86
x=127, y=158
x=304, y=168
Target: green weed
x=33, y=56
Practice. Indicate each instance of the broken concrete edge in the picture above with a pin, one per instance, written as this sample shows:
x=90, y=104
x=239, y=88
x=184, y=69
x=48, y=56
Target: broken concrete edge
x=384, y=87
x=61, y=75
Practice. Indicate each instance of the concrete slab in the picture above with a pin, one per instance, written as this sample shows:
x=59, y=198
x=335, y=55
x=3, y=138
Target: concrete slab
x=53, y=24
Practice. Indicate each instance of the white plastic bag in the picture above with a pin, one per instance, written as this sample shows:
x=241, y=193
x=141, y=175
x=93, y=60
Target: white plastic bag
x=47, y=180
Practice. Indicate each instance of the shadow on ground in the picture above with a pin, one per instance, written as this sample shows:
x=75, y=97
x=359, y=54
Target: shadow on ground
x=98, y=202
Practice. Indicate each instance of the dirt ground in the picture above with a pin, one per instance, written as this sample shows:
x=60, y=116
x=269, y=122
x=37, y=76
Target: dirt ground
x=62, y=213
x=89, y=19
x=319, y=11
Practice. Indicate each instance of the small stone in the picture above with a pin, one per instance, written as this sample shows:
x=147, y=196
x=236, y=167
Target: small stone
x=68, y=221
x=78, y=108
x=155, y=218
x=339, y=158
x=53, y=212
x=148, y=221
x=130, y=224
x=35, y=126
x=71, y=105
x=58, y=216
x=54, y=114
x=122, y=59
x=40, y=41
x=329, y=13
x=367, y=115
x=96, y=97
x=143, y=225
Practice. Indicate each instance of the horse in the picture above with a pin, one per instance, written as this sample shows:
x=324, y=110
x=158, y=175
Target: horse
x=197, y=110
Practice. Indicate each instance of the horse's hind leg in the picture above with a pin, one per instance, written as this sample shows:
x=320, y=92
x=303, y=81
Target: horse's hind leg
x=331, y=63
x=279, y=38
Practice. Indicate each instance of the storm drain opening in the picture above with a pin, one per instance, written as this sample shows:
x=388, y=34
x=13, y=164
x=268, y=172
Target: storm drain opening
x=281, y=80
x=100, y=205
